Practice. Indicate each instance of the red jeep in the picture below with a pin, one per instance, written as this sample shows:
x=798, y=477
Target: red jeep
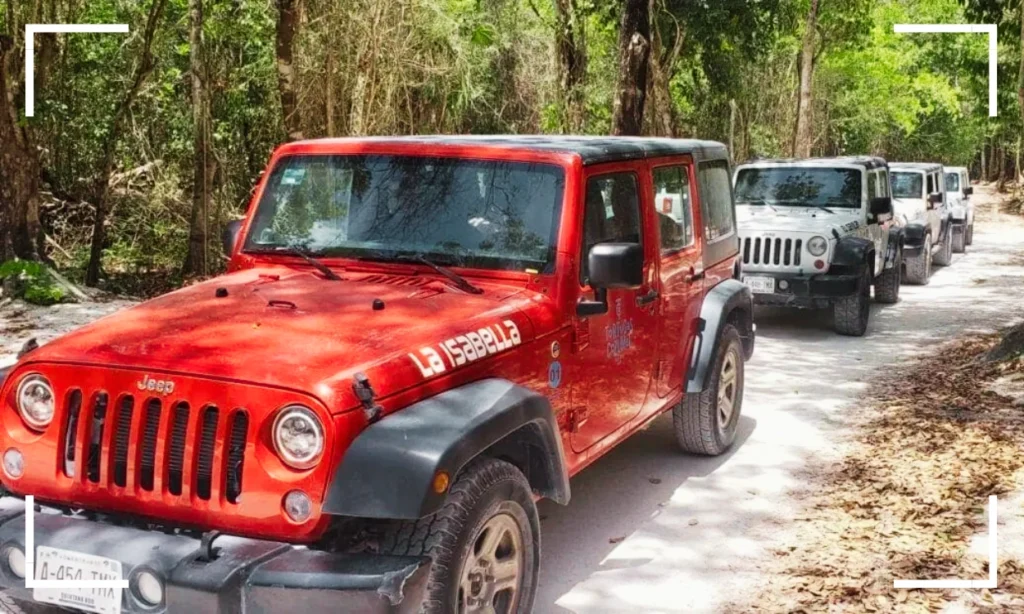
x=417, y=338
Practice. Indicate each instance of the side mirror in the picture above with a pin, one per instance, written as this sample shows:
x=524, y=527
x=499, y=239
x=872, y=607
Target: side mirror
x=611, y=265
x=230, y=236
x=968, y=191
x=935, y=198
x=881, y=205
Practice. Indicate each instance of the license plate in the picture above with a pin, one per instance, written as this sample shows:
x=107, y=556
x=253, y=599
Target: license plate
x=57, y=564
x=760, y=285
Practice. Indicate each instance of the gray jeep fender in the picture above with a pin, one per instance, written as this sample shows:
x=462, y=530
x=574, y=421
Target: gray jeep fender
x=897, y=239
x=851, y=254
x=388, y=471
x=728, y=302
x=914, y=234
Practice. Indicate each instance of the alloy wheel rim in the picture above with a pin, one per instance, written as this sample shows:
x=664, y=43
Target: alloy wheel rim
x=727, y=388
x=491, y=576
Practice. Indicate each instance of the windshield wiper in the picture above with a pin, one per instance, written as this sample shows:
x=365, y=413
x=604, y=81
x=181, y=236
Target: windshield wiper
x=824, y=208
x=295, y=250
x=460, y=282
x=761, y=201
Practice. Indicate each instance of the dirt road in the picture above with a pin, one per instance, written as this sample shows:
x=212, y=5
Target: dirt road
x=650, y=530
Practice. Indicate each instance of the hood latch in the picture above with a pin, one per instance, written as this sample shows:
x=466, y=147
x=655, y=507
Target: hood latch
x=365, y=394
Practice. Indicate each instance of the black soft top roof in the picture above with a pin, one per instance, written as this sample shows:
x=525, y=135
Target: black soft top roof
x=591, y=149
x=868, y=162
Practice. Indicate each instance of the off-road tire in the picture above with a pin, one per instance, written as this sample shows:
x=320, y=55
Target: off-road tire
x=887, y=285
x=919, y=268
x=970, y=234
x=697, y=419
x=850, y=313
x=944, y=257
x=484, y=490
x=959, y=239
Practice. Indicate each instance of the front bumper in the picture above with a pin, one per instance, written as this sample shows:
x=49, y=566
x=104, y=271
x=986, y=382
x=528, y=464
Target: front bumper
x=246, y=576
x=807, y=290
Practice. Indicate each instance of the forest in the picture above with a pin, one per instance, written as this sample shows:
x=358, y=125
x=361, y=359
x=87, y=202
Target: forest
x=143, y=146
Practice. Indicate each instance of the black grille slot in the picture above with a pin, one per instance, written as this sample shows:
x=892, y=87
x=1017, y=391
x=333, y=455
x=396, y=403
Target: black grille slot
x=746, y=250
x=236, y=455
x=147, y=459
x=757, y=251
x=95, y=441
x=776, y=253
x=74, y=410
x=796, y=252
x=176, y=449
x=204, y=463
x=121, y=435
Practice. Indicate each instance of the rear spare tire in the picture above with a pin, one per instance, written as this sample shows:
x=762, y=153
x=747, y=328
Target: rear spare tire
x=484, y=543
x=705, y=423
x=850, y=313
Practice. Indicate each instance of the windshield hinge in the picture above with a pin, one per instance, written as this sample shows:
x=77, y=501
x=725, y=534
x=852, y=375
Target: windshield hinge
x=364, y=392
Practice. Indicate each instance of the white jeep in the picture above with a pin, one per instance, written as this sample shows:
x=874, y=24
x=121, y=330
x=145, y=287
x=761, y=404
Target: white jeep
x=818, y=233
x=922, y=210
x=958, y=191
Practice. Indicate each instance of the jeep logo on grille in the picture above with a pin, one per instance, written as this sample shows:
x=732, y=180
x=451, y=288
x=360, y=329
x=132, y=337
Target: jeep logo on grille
x=163, y=386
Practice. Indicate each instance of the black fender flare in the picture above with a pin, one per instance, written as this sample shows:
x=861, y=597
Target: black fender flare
x=897, y=239
x=729, y=301
x=388, y=470
x=914, y=234
x=851, y=254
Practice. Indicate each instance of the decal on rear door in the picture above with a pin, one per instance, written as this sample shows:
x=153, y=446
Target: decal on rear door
x=457, y=351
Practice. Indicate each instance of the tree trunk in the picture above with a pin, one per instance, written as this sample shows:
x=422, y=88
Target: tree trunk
x=984, y=166
x=20, y=230
x=196, y=261
x=102, y=185
x=802, y=137
x=664, y=120
x=287, y=14
x=1020, y=89
x=570, y=45
x=634, y=58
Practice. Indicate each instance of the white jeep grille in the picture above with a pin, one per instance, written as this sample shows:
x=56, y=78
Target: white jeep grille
x=774, y=253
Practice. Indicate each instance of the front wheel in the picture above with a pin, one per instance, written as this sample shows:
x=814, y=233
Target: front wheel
x=484, y=543
x=705, y=423
x=944, y=257
x=850, y=313
x=887, y=285
x=919, y=267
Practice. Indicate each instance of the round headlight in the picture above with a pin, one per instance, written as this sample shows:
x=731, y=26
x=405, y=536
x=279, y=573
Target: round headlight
x=817, y=246
x=298, y=437
x=36, y=402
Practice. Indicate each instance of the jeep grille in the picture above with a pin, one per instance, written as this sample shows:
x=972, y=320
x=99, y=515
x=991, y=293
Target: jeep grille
x=137, y=433
x=769, y=251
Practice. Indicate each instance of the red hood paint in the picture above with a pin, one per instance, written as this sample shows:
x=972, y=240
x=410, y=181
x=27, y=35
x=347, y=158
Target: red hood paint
x=293, y=329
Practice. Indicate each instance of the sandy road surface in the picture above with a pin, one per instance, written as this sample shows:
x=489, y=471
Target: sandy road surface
x=651, y=530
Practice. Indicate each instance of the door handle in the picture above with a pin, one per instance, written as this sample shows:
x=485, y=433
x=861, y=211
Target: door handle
x=647, y=299
x=695, y=275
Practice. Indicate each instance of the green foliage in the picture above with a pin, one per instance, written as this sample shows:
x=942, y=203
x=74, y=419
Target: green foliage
x=31, y=281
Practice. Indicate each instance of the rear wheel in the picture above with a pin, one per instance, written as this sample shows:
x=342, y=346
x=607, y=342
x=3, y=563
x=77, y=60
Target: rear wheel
x=484, y=543
x=945, y=254
x=919, y=267
x=705, y=423
x=850, y=313
x=887, y=285
x=959, y=239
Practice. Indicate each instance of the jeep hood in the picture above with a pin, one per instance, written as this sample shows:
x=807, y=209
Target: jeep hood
x=296, y=330
x=760, y=218
x=909, y=209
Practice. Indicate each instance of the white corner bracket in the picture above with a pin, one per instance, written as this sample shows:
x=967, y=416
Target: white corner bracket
x=30, y=559
x=55, y=28
x=993, y=563
x=953, y=28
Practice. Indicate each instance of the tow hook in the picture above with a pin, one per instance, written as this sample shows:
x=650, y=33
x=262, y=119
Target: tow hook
x=207, y=553
x=365, y=394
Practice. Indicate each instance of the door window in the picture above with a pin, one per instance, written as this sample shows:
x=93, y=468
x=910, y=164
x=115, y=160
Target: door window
x=716, y=200
x=872, y=185
x=672, y=206
x=612, y=213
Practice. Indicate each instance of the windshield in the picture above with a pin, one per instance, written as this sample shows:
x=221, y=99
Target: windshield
x=799, y=186
x=907, y=185
x=473, y=213
x=952, y=182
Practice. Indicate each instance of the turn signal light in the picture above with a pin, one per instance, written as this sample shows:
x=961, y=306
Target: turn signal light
x=819, y=264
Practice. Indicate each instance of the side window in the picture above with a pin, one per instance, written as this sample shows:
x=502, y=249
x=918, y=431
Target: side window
x=931, y=184
x=872, y=185
x=672, y=205
x=716, y=199
x=612, y=213
x=883, y=181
